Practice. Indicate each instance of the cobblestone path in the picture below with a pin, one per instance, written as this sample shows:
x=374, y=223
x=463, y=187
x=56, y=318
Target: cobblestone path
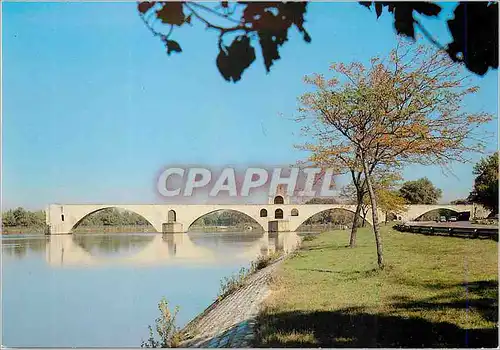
x=230, y=323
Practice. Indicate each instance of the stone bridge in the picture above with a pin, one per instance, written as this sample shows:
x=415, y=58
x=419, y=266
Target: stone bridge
x=171, y=218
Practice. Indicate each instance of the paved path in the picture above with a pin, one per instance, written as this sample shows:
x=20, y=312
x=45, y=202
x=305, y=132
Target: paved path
x=230, y=323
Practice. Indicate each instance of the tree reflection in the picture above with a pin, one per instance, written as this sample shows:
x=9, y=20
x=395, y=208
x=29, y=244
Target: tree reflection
x=20, y=247
x=95, y=244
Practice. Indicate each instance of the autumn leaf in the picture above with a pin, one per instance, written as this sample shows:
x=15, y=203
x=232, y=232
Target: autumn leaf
x=172, y=46
x=171, y=13
x=233, y=60
x=144, y=6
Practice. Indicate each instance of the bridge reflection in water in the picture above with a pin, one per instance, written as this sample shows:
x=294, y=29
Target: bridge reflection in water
x=158, y=249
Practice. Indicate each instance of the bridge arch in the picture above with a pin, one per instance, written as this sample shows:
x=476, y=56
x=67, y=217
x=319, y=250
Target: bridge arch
x=75, y=218
x=328, y=210
x=247, y=215
x=436, y=213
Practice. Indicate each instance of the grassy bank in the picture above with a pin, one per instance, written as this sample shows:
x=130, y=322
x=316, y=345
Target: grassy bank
x=436, y=291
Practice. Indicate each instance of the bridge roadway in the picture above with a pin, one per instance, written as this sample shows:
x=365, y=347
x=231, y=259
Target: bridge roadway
x=172, y=218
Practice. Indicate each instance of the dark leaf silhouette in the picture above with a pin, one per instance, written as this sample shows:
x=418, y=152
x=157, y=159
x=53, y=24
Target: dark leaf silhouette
x=172, y=46
x=233, y=60
x=378, y=9
x=403, y=20
x=403, y=13
x=269, y=44
x=271, y=21
x=426, y=8
x=171, y=13
x=143, y=7
x=295, y=11
x=474, y=28
x=270, y=37
x=477, y=46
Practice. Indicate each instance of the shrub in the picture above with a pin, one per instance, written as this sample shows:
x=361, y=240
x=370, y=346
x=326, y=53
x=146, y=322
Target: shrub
x=237, y=280
x=233, y=282
x=166, y=329
x=263, y=261
x=308, y=238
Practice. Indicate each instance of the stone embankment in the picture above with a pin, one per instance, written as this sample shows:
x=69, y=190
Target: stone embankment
x=230, y=322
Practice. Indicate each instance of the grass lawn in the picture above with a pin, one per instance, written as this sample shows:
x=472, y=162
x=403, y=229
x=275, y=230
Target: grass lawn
x=434, y=292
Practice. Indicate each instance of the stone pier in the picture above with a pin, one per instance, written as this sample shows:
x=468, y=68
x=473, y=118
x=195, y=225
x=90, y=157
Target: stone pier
x=172, y=227
x=279, y=226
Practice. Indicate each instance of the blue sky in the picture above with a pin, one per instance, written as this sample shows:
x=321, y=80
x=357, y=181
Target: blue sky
x=93, y=108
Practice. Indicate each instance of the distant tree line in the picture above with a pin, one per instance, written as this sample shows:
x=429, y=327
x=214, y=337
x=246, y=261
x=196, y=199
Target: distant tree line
x=224, y=218
x=21, y=217
x=333, y=216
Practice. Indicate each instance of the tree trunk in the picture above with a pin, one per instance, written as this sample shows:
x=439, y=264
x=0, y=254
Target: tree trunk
x=365, y=211
x=376, y=228
x=354, y=229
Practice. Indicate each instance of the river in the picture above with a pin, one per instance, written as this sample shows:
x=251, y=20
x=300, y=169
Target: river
x=102, y=290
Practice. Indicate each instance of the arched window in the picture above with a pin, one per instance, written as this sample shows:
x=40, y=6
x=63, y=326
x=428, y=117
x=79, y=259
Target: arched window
x=171, y=217
x=279, y=200
x=278, y=214
x=294, y=212
x=263, y=213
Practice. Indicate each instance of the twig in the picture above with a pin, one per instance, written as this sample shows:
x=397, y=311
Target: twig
x=429, y=37
x=225, y=16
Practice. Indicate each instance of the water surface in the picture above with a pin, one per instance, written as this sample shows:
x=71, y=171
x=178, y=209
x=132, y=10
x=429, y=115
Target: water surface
x=102, y=290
